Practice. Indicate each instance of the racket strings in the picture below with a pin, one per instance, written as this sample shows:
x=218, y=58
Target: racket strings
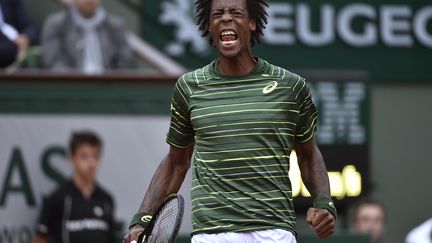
x=165, y=223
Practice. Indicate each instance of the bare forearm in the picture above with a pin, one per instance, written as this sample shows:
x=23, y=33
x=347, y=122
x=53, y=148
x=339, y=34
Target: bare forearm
x=313, y=170
x=315, y=177
x=321, y=217
x=167, y=180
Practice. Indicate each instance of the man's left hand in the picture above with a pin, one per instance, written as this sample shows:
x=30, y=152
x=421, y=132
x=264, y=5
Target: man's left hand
x=321, y=221
x=23, y=43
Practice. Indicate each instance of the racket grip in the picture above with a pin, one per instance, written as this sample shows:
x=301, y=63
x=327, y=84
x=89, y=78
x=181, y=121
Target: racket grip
x=142, y=238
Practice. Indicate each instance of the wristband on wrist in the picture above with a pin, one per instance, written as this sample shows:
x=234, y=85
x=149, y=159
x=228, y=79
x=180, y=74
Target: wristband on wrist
x=325, y=203
x=141, y=218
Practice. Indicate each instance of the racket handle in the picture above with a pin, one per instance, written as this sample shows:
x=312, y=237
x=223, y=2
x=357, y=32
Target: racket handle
x=142, y=238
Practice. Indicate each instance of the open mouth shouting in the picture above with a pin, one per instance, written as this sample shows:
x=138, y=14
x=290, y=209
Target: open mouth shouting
x=228, y=38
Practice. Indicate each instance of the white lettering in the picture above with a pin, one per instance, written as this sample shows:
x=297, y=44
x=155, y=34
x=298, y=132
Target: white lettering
x=340, y=118
x=344, y=25
x=420, y=26
x=304, y=26
x=278, y=22
x=86, y=224
x=356, y=24
x=395, y=28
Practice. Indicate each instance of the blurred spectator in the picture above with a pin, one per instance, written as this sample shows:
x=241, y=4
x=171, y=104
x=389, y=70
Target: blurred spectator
x=421, y=233
x=85, y=37
x=16, y=32
x=65, y=2
x=79, y=211
x=369, y=218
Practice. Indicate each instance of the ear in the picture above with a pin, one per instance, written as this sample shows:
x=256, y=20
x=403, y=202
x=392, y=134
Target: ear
x=252, y=25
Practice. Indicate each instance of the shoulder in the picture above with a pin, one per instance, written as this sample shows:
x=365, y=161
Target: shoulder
x=420, y=233
x=56, y=22
x=297, y=83
x=277, y=72
x=104, y=194
x=57, y=195
x=192, y=79
x=56, y=18
x=197, y=75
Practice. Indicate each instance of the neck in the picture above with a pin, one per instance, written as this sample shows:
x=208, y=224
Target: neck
x=96, y=16
x=85, y=185
x=236, y=66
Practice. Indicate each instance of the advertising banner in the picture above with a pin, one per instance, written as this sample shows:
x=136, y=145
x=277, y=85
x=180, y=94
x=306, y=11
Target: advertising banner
x=391, y=40
x=33, y=159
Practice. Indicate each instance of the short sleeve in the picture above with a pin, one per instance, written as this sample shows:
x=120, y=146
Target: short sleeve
x=308, y=113
x=181, y=133
x=46, y=217
x=114, y=227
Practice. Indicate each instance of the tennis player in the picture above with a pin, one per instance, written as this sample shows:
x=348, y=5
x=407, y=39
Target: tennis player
x=241, y=116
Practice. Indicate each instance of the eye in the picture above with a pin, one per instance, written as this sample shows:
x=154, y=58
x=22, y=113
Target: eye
x=237, y=14
x=216, y=14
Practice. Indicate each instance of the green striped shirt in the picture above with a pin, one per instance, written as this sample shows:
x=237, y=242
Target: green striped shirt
x=244, y=129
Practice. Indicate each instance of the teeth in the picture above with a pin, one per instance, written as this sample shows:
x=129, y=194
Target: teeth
x=228, y=32
x=228, y=42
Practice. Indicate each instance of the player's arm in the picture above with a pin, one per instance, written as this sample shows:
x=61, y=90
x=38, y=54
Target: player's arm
x=166, y=180
x=314, y=174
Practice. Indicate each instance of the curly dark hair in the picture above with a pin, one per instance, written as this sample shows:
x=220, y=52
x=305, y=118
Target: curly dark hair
x=256, y=9
x=83, y=137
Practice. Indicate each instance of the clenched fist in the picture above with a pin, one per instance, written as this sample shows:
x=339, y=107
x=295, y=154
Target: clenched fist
x=321, y=221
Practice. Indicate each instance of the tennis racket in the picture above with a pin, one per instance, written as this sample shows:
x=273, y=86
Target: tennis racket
x=165, y=224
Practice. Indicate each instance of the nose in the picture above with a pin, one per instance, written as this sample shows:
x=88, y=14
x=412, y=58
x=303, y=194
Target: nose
x=226, y=17
x=93, y=162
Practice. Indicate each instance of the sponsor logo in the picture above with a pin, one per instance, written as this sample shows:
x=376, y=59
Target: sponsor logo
x=146, y=218
x=270, y=87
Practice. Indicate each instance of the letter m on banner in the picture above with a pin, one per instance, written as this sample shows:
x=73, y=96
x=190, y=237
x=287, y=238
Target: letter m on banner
x=343, y=108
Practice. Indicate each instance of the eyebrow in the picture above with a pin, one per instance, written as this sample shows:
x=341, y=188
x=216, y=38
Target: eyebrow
x=230, y=10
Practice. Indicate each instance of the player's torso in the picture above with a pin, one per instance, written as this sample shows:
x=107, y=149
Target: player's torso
x=256, y=107
x=244, y=132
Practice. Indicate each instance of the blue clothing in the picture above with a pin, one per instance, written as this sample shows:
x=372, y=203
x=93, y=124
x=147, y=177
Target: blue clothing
x=14, y=13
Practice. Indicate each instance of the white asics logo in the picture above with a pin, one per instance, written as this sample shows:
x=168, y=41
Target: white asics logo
x=270, y=87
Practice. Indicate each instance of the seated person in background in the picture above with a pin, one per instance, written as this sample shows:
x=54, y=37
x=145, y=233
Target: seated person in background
x=79, y=211
x=16, y=32
x=369, y=218
x=85, y=37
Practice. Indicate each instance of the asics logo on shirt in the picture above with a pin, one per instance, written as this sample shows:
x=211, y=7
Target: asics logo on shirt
x=270, y=87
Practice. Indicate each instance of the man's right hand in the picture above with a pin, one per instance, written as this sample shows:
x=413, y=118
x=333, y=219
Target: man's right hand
x=133, y=234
